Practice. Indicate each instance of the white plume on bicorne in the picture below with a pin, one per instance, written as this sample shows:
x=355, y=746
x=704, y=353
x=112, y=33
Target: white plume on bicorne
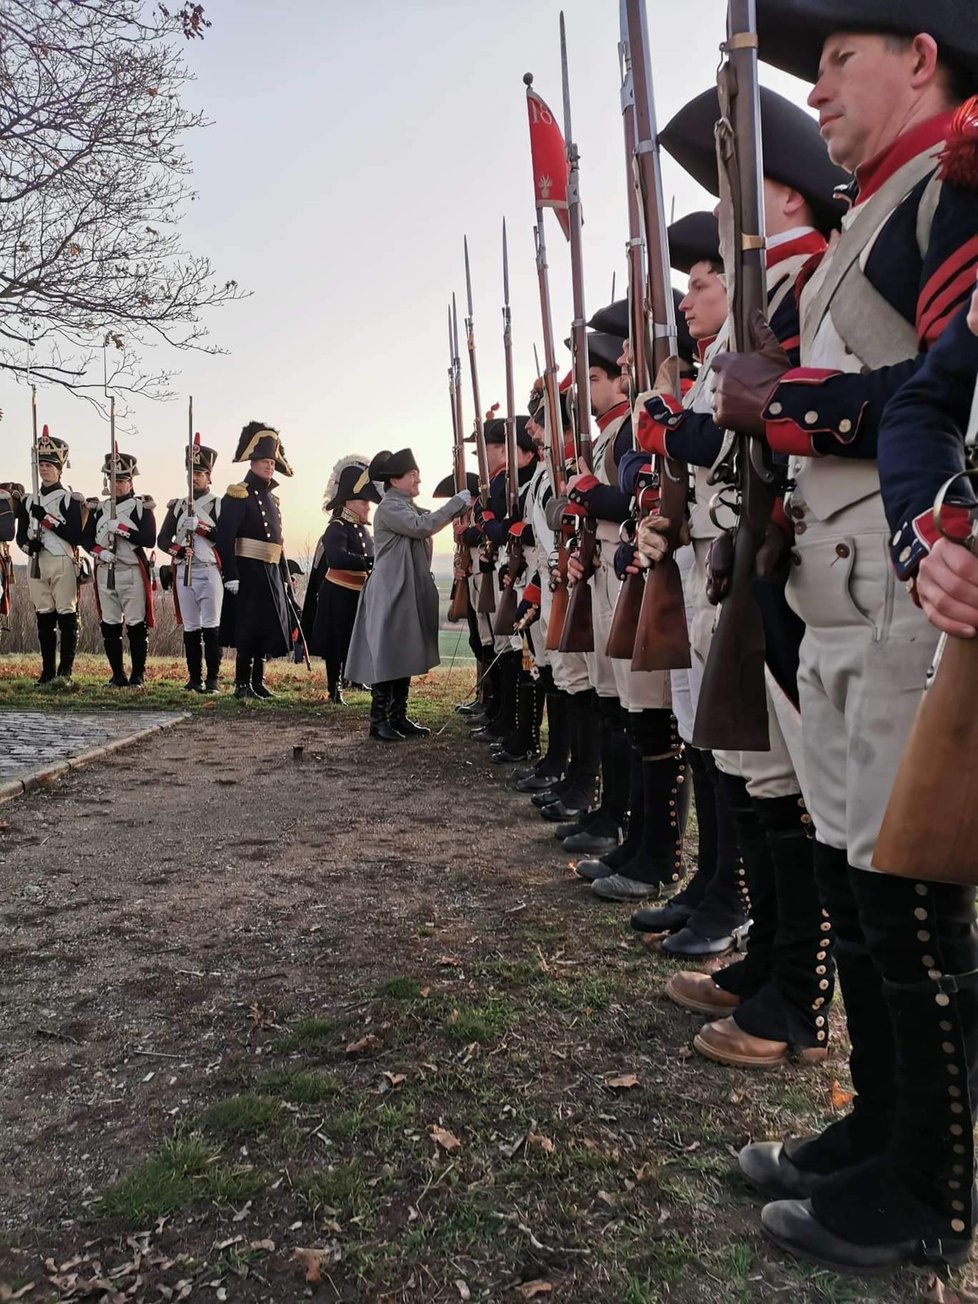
x=333, y=483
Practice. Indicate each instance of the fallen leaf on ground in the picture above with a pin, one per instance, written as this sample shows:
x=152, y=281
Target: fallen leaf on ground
x=262, y=1245
x=368, y=1043
x=5, y=1292
x=840, y=1099
x=442, y=1137
x=312, y=1260
x=395, y=1079
x=623, y=1083
x=425, y=992
x=544, y=1142
x=531, y=1289
x=463, y=1289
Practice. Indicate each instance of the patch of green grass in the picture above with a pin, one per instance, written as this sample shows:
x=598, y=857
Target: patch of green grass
x=342, y=1188
x=343, y=1126
x=185, y=1170
x=299, y=1086
x=400, y=988
x=309, y=1035
x=580, y=994
x=484, y=1022
x=471, y=1222
x=246, y=1115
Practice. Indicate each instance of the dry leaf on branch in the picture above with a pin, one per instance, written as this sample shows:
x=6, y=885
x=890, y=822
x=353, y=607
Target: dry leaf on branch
x=531, y=1289
x=623, y=1083
x=442, y=1137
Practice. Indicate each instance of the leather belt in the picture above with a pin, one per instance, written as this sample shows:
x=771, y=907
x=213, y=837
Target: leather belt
x=347, y=579
x=258, y=550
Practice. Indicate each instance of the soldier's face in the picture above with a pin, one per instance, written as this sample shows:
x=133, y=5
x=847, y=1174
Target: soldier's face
x=202, y=480
x=409, y=483
x=123, y=485
x=704, y=304
x=48, y=474
x=606, y=390
x=359, y=508
x=496, y=457
x=264, y=467
x=869, y=90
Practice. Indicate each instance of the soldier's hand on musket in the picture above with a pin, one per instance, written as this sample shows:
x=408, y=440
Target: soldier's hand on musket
x=625, y=563
x=651, y=541
x=191, y=524
x=947, y=587
x=742, y=382
x=38, y=511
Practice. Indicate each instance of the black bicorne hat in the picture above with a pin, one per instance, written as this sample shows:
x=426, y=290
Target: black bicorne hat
x=51, y=450
x=204, y=457
x=794, y=152
x=389, y=466
x=694, y=239
x=125, y=465
x=256, y=441
x=603, y=349
x=350, y=483
x=495, y=432
x=446, y=488
x=793, y=32
x=614, y=321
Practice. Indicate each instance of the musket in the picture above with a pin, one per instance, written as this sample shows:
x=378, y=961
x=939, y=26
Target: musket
x=34, y=526
x=506, y=611
x=113, y=466
x=732, y=710
x=294, y=607
x=930, y=829
x=661, y=639
x=487, y=597
x=461, y=603
x=188, y=562
x=577, y=634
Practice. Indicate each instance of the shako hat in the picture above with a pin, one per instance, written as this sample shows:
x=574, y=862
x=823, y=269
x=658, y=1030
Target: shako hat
x=446, y=488
x=51, y=450
x=204, y=457
x=125, y=465
x=694, y=239
x=13, y=488
x=495, y=432
x=792, y=33
x=538, y=404
x=794, y=152
x=614, y=320
x=389, y=466
x=257, y=441
x=350, y=481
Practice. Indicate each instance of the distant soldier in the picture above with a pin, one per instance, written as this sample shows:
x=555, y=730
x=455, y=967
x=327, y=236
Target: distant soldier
x=198, y=604
x=49, y=530
x=258, y=619
x=10, y=496
x=343, y=560
x=123, y=581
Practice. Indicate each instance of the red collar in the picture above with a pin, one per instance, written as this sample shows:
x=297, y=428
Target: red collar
x=619, y=410
x=872, y=174
x=704, y=345
x=812, y=242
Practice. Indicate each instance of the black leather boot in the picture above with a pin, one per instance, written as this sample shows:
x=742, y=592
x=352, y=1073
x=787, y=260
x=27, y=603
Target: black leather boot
x=258, y=686
x=524, y=741
x=212, y=658
x=397, y=713
x=243, y=690
x=112, y=642
x=333, y=683
x=503, y=722
x=193, y=650
x=68, y=627
x=577, y=792
x=138, y=647
x=553, y=764
x=380, y=705
x=914, y=1202
x=47, y=637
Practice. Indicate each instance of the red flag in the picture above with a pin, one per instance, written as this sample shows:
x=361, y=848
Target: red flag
x=549, y=157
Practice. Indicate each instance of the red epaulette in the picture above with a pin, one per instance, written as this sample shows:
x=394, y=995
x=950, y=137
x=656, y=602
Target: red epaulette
x=959, y=160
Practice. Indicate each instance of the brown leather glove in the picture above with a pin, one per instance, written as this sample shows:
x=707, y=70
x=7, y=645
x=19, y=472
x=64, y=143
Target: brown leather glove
x=742, y=382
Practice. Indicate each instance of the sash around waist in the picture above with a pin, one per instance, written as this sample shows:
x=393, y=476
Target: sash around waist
x=347, y=579
x=258, y=550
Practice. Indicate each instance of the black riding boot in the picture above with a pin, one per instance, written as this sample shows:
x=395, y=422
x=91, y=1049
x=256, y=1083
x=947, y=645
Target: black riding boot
x=242, y=677
x=749, y=975
x=194, y=652
x=68, y=625
x=503, y=721
x=381, y=696
x=112, y=642
x=258, y=686
x=47, y=637
x=138, y=647
x=333, y=682
x=557, y=755
x=212, y=658
x=578, y=790
x=610, y=862
x=914, y=1202
x=397, y=716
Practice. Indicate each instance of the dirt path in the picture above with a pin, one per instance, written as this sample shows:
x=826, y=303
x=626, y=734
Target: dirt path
x=354, y=1005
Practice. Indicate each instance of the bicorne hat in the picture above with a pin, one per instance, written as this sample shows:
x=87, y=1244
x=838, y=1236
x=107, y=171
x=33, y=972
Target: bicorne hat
x=794, y=152
x=446, y=488
x=603, y=350
x=257, y=441
x=389, y=466
x=792, y=32
x=694, y=239
x=350, y=481
x=614, y=320
x=495, y=432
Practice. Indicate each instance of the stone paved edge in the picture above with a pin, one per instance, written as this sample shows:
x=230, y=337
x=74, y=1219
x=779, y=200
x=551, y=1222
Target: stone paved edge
x=12, y=788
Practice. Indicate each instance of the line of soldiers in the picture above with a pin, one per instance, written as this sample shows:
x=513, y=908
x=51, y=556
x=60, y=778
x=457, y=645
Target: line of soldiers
x=230, y=578
x=861, y=383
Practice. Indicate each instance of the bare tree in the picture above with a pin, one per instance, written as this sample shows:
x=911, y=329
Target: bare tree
x=93, y=183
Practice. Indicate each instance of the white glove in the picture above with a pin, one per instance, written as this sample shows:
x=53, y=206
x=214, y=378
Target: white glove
x=190, y=524
x=232, y=586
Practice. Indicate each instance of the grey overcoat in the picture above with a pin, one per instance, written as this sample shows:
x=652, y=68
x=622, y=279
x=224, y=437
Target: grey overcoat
x=395, y=634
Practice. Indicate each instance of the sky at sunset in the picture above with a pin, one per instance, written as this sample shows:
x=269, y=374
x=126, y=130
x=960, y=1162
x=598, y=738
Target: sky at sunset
x=351, y=148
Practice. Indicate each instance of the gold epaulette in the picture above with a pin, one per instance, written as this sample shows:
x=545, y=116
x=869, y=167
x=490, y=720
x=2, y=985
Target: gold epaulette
x=77, y=497
x=236, y=491
x=171, y=504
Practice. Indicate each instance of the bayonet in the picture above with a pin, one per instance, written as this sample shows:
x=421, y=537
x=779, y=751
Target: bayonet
x=487, y=597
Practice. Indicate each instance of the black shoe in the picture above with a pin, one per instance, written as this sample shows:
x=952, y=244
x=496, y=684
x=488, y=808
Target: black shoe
x=592, y=869
x=211, y=686
x=46, y=677
x=569, y=829
x=408, y=729
x=792, y=1225
x=546, y=797
x=688, y=942
x=193, y=686
x=384, y=733
x=244, y=693
x=661, y=919
x=335, y=698
x=259, y=690
x=534, y=782
x=590, y=844
x=557, y=813
x=117, y=681
x=769, y=1168
x=135, y=681
x=469, y=708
